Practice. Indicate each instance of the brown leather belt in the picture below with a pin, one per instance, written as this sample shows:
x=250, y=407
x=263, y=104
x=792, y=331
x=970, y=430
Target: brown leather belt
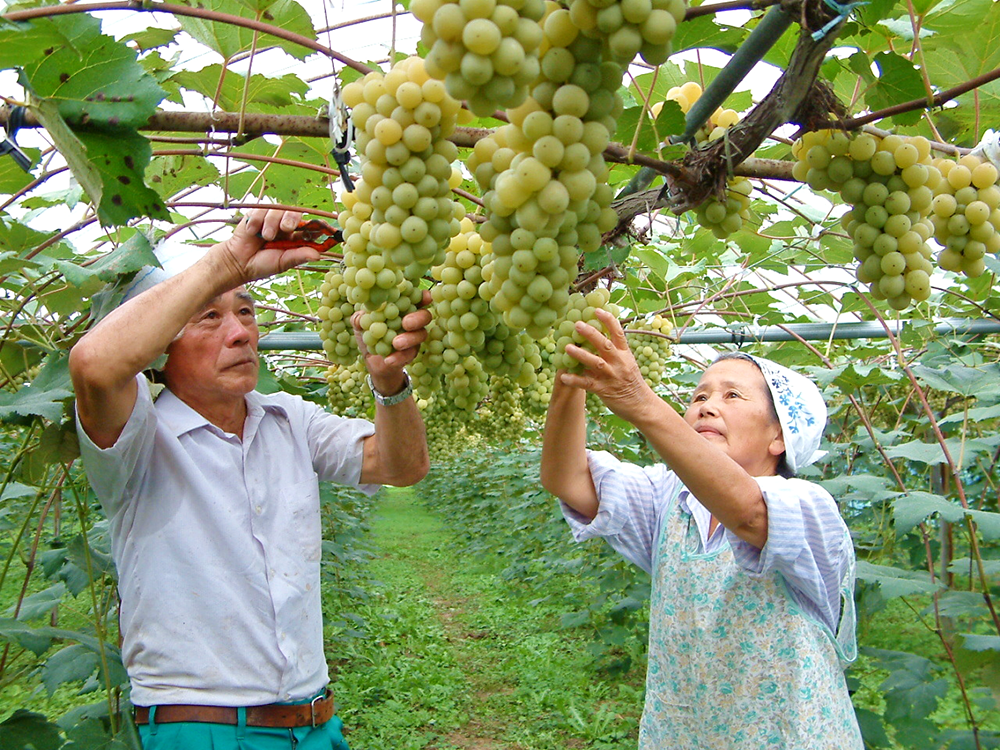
x=312, y=714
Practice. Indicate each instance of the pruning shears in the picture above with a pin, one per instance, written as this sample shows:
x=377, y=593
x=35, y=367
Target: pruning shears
x=314, y=233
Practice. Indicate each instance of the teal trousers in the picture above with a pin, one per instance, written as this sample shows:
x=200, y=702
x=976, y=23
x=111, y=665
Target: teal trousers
x=200, y=736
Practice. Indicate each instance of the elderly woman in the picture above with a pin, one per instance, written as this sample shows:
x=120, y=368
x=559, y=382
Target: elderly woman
x=751, y=616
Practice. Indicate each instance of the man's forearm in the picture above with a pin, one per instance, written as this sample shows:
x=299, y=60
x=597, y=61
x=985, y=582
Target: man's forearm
x=397, y=453
x=131, y=337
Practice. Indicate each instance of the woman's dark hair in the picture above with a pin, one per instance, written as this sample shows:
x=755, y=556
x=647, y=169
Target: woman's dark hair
x=783, y=468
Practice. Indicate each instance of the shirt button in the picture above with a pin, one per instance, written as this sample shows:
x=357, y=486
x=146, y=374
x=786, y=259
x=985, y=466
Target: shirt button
x=259, y=510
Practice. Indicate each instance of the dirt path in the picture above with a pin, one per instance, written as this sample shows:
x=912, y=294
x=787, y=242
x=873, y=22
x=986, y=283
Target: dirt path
x=408, y=534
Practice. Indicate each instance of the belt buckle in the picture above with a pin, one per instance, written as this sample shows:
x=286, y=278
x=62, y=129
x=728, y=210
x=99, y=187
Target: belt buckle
x=312, y=708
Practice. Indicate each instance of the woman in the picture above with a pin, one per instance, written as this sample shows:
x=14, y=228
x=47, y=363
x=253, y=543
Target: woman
x=751, y=567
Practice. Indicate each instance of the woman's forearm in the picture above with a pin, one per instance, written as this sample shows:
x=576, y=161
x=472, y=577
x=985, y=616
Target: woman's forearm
x=565, y=471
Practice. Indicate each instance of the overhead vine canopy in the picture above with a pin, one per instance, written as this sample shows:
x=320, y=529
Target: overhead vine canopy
x=527, y=162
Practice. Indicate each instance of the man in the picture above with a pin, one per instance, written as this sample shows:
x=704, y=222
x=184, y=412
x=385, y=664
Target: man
x=213, y=499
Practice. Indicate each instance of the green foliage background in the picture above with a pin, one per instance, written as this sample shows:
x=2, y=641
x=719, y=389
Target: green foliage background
x=913, y=443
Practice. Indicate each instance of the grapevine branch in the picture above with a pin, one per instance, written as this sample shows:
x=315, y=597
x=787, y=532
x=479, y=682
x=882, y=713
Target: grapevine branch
x=185, y=10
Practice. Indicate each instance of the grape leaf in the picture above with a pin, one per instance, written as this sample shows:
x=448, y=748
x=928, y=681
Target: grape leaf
x=27, y=729
x=171, y=174
x=39, y=604
x=108, y=165
x=912, y=508
x=23, y=43
x=228, y=40
x=12, y=177
x=898, y=81
x=704, y=32
x=893, y=582
x=33, y=401
x=277, y=92
x=74, y=663
x=94, y=79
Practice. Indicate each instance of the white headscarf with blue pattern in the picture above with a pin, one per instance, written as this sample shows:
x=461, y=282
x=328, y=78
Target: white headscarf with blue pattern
x=801, y=412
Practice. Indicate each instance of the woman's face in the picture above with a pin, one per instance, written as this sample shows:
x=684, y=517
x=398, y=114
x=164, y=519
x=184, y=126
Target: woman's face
x=731, y=407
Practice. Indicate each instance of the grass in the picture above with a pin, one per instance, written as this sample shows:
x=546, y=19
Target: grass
x=452, y=659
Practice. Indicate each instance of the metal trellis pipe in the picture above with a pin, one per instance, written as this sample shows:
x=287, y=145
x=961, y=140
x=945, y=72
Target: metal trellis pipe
x=307, y=341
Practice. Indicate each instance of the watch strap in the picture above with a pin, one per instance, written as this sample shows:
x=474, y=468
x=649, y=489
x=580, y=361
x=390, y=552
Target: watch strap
x=395, y=398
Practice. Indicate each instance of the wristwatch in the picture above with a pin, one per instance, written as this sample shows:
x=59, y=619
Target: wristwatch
x=394, y=398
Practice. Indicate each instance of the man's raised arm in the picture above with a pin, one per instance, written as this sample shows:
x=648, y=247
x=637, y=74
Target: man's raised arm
x=104, y=363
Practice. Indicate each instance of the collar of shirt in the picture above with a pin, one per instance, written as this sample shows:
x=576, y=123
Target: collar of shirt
x=181, y=418
x=703, y=520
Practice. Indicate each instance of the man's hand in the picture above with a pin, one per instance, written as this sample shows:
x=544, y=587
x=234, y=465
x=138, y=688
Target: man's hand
x=245, y=255
x=387, y=372
x=612, y=372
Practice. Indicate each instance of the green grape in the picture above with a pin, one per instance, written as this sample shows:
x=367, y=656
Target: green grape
x=400, y=218
x=347, y=392
x=962, y=214
x=651, y=350
x=485, y=51
x=898, y=200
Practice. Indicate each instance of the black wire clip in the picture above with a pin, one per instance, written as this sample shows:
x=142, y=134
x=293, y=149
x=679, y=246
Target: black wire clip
x=15, y=120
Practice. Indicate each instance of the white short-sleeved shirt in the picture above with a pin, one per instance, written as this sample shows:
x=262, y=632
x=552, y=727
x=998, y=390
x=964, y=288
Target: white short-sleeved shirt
x=217, y=544
x=807, y=541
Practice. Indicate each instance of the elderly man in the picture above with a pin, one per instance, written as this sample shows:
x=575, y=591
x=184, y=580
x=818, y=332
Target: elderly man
x=213, y=499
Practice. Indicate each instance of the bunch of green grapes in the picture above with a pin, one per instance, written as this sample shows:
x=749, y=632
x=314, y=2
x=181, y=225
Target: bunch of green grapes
x=545, y=180
x=889, y=183
x=510, y=354
x=535, y=397
x=965, y=214
x=429, y=365
x=466, y=384
x=401, y=216
x=631, y=27
x=712, y=129
x=721, y=215
x=502, y=420
x=485, y=51
x=651, y=351
x=724, y=217
x=347, y=391
x=458, y=305
x=447, y=429
x=581, y=307
x=334, y=313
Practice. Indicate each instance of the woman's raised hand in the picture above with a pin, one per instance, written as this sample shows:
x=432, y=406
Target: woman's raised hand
x=610, y=370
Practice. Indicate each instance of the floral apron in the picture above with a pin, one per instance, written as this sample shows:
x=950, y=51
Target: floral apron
x=733, y=661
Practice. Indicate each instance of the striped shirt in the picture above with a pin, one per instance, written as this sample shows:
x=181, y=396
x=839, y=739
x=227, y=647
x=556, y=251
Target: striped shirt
x=806, y=540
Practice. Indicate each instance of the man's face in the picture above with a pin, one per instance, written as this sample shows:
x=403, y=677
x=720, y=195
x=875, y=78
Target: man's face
x=731, y=408
x=215, y=357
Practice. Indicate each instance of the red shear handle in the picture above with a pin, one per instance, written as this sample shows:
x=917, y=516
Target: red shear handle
x=314, y=233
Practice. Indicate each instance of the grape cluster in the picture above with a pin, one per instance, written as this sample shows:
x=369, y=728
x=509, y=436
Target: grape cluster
x=722, y=215
x=965, y=214
x=458, y=305
x=631, y=27
x=725, y=216
x=447, y=429
x=429, y=365
x=466, y=384
x=650, y=351
x=505, y=421
x=485, y=51
x=347, y=392
x=400, y=217
x=536, y=396
x=581, y=307
x=889, y=183
x=545, y=180
x=335, y=313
